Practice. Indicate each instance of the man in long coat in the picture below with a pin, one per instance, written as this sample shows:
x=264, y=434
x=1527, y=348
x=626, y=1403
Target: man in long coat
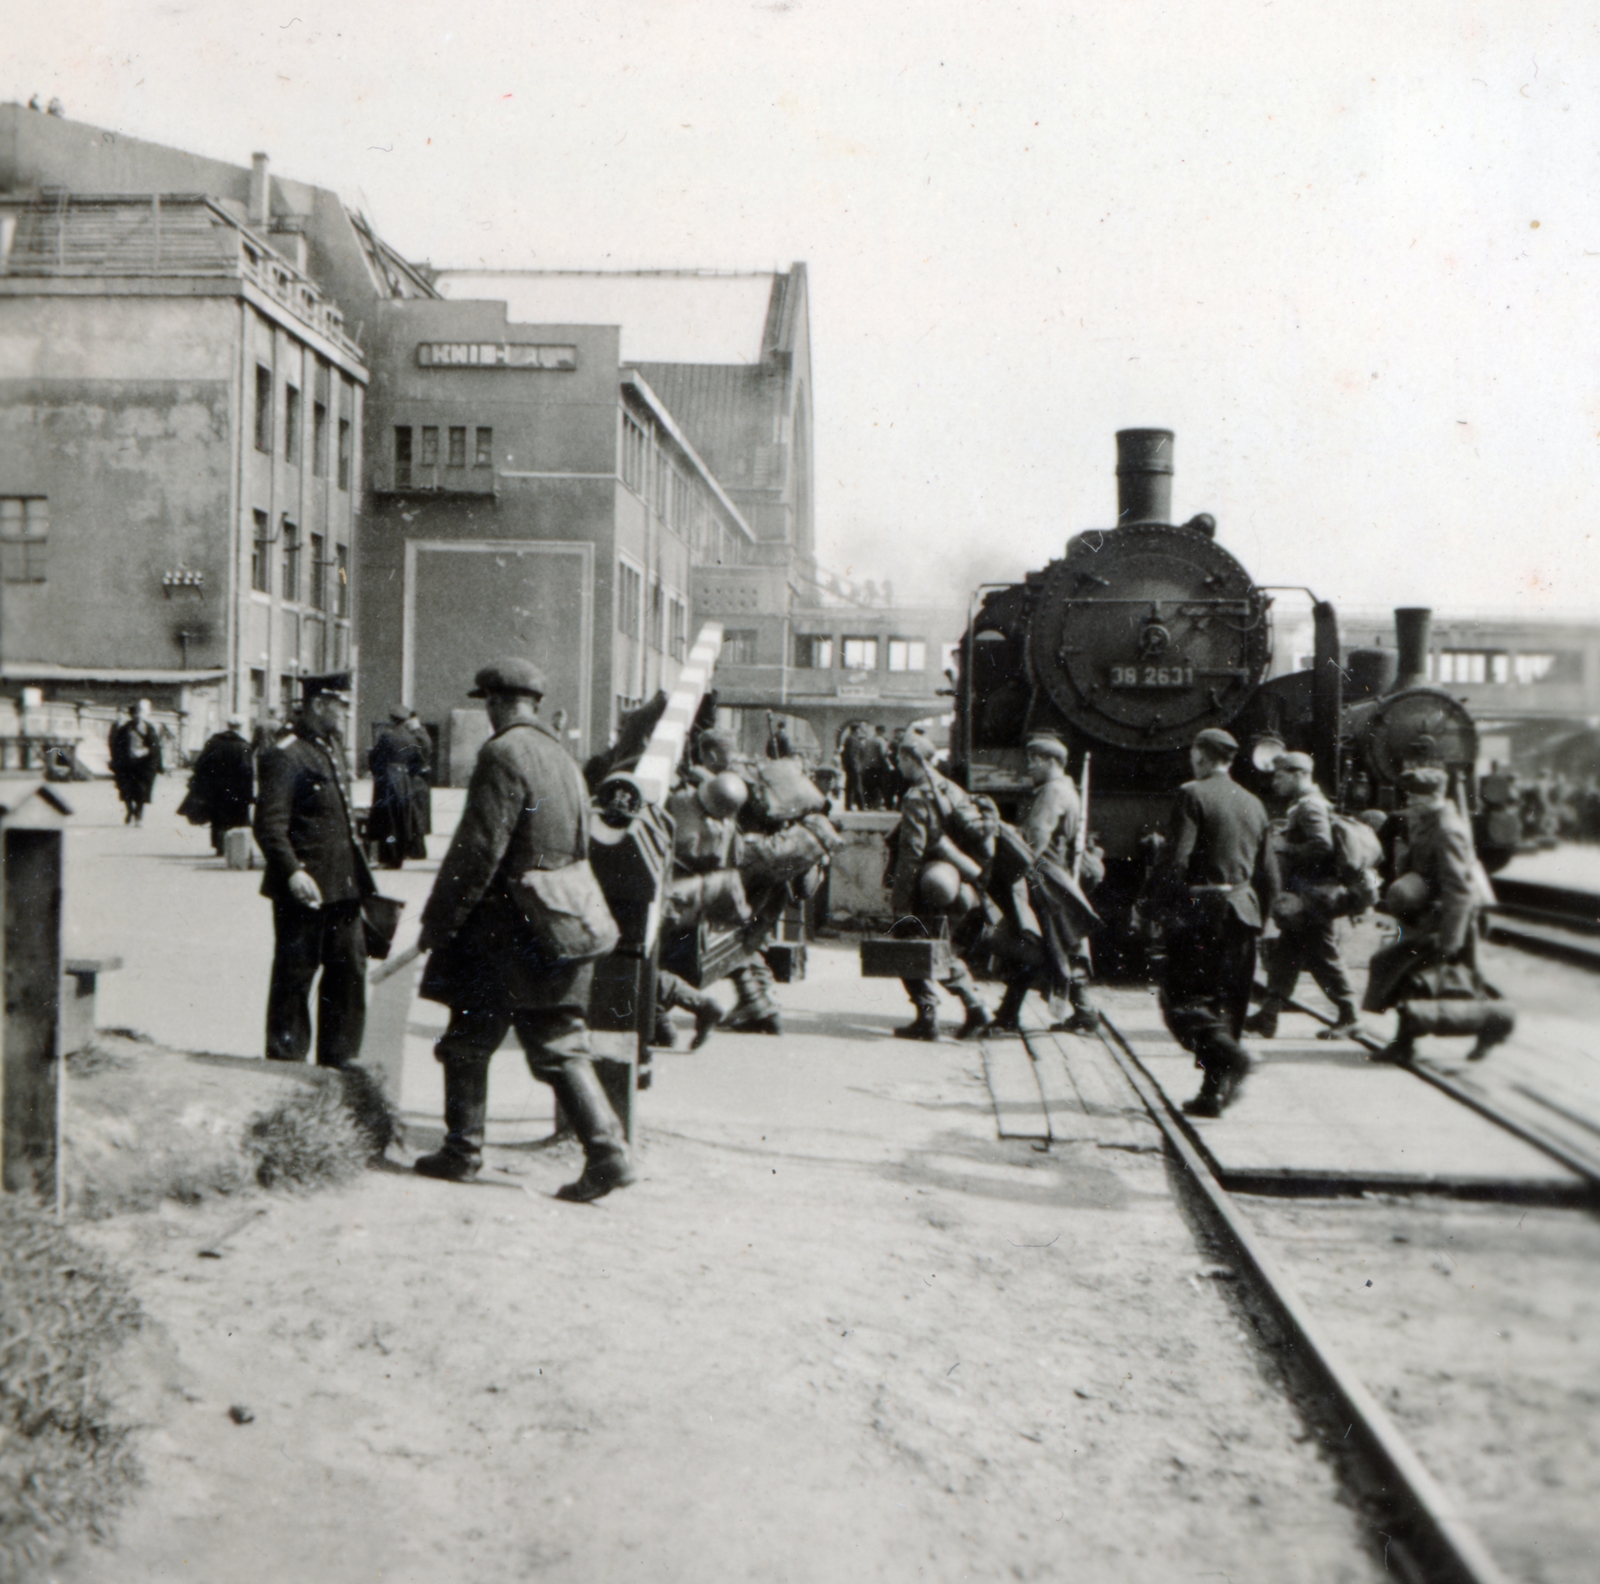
x=222, y=786
x=1215, y=891
x=395, y=826
x=527, y=808
x=135, y=754
x=317, y=878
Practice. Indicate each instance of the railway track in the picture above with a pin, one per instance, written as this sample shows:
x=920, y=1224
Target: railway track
x=1427, y=1535
x=1550, y=920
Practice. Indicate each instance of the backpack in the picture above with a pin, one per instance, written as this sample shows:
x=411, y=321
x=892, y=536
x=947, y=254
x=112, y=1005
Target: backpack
x=1357, y=858
x=970, y=819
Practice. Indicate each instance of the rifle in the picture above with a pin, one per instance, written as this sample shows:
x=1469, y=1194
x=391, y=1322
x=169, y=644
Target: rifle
x=1082, y=840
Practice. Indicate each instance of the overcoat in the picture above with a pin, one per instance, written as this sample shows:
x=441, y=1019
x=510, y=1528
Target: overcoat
x=527, y=808
x=135, y=755
x=303, y=820
x=223, y=783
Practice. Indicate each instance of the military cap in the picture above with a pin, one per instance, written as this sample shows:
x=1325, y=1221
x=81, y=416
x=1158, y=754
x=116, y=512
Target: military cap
x=1050, y=746
x=1424, y=779
x=399, y=714
x=335, y=684
x=1293, y=761
x=510, y=675
x=1217, y=741
x=919, y=747
x=236, y=720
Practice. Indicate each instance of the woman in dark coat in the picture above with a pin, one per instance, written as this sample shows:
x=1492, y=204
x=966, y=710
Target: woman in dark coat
x=135, y=760
x=396, y=826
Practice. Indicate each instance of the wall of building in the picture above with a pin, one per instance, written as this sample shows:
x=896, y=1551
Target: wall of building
x=121, y=412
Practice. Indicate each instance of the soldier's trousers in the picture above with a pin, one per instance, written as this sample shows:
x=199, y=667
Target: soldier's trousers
x=329, y=938
x=550, y=1037
x=1204, y=986
x=958, y=982
x=1310, y=947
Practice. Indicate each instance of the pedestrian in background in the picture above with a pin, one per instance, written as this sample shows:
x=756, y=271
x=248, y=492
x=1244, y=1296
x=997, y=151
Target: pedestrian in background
x=316, y=877
x=222, y=787
x=527, y=809
x=394, y=825
x=135, y=753
x=1214, y=891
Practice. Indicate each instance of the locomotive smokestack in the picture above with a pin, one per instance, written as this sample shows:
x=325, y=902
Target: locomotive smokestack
x=1144, y=476
x=1413, y=634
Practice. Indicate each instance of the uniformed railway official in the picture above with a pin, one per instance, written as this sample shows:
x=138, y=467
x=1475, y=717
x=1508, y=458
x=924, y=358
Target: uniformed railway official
x=527, y=808
x=1308, y=940
x=316, y=877
x=1217, y=886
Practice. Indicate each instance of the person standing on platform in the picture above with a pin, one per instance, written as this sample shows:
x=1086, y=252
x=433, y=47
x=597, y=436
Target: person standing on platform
x=317, y=878
x=135, y=751
x=1305, y=911
x=527, y=808
x=877, y=773
x=394, y=826
x=1214, y=890
x=923, y=811
x=1430, y=974
x=223, y=784
x=850, y=763
x=1050, y=827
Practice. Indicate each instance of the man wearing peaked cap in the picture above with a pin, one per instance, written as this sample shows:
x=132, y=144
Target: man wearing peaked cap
x=316, y=877
x=527, y=808
x=1307, y=912
x=1217, y=884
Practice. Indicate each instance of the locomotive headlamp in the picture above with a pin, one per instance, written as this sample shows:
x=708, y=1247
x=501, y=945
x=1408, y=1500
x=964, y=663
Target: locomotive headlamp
x=1264, y=752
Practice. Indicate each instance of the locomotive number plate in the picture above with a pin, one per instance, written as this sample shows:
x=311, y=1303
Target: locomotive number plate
x=1152, y=676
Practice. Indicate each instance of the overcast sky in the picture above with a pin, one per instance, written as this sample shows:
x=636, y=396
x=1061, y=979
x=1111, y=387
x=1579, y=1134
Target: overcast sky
x=1350, y=253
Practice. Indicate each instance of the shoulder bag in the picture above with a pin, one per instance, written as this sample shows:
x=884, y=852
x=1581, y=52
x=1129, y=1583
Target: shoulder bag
x=565, y=907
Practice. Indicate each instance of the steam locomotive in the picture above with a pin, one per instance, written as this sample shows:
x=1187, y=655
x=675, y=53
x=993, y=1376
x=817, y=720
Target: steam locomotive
x=1148, y=632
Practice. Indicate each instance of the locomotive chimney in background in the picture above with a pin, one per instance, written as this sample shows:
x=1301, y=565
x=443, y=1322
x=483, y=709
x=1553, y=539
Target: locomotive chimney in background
x=260, y=192
x=1144, y=476
x=1413, y=633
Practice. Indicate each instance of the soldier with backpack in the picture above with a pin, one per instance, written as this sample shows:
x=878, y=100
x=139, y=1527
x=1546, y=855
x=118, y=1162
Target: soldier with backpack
x=1314, y=861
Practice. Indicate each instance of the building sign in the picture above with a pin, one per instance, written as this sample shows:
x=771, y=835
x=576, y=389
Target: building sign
x=495, y=354
x=856, y=690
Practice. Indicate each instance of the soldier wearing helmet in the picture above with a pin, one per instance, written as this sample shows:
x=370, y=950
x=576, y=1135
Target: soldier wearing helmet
x=1436, y=898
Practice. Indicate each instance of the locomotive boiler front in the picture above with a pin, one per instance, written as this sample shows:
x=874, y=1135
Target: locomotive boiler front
x=1147, y=633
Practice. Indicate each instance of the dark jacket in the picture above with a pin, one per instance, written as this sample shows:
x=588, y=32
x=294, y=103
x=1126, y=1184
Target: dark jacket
x=1220, y=838
x=1438, y=846
x=135, y=755
x=527, y=808
x=303, y=819
x=223, y=783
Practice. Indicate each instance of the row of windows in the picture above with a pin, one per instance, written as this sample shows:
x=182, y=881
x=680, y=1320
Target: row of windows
x=666, y=624
x=418, y=463
x=679, y=499
x=1494, y=665
x=294, y=424
x=815, y=652
x=24, y=538
x=322, y=582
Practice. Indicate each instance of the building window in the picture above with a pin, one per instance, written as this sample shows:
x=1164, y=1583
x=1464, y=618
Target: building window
x=635, y=448
x=263, y=409
x=813, y=652
x=402, y=456
x=344, y=453
x=677, y=629
x=1472, y=665
x=291, y=561
x=739, y=646
x=291, y=425
x=258, y=694
x=319, y=439
x=630, y=599
x=861, y=654
x=483, y=453
x=908, y=654
x=319, y=572
x=24, y=538
x=658, y=617
x=261, y=555
x=1564, y=666
x=430, y=446
x=341, y=580
x=458, y=446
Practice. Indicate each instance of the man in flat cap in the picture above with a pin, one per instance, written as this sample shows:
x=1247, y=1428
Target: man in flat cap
x=1306, y=909
x=527, y=808
x=1216, y=887
x=316, y=877
x=1430, y=973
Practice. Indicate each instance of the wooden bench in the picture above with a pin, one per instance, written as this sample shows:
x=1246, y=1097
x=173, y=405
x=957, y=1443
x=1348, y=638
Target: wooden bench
x=80, y=977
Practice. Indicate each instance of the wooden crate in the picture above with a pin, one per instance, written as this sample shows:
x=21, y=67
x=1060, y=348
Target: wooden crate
x=905, y=959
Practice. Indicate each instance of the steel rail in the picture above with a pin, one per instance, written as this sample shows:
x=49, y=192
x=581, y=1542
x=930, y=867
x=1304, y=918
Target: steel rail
x=1445, y=1545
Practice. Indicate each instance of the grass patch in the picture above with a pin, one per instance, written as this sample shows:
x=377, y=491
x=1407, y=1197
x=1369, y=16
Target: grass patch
x=66, y=1463
x=322, y=1134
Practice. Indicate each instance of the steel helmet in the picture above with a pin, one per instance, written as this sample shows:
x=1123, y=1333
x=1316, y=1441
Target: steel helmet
x=723, y=795
x=940, y=884
x=1407, y=896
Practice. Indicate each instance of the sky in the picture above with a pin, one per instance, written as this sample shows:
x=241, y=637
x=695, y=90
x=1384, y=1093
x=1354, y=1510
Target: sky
x=1349, y=254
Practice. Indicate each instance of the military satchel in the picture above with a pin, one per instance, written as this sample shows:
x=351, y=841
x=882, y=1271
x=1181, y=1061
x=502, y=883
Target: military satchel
x=565, y=908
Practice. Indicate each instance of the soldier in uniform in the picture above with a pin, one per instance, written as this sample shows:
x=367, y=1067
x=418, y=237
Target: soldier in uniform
x=922, y=817
x=1438, y=938
x=395, y=825
x=316, y=877
x=1308, y=941
x=526, y=808
x=1215, y=888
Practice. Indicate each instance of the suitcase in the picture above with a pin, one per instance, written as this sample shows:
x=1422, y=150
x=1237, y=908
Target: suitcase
x=905, y=959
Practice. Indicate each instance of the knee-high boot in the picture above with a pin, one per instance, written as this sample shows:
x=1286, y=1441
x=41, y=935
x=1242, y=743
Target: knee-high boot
x=756, y=1011
x=675, y=992
x=466, y=1111
x=605, y=1151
